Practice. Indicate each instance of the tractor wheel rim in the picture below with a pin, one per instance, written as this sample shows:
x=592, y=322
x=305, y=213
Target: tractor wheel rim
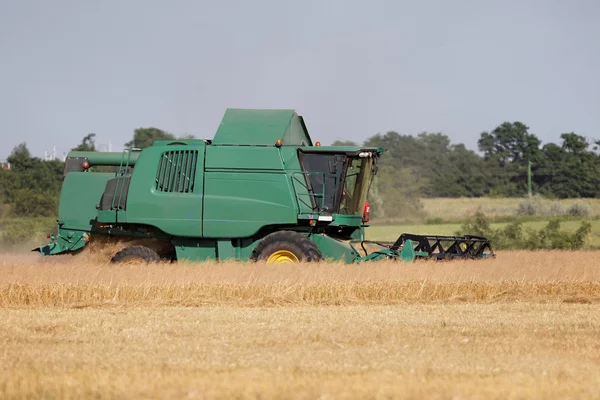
x=282, y=256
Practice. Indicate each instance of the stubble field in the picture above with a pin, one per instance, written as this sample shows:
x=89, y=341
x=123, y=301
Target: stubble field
x=526, y=325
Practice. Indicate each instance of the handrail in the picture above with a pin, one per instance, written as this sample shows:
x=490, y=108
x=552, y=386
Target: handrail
x=310, y=191
x=119, y=174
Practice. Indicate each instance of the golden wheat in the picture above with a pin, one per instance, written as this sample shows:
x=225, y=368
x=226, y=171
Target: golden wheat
x=495, y=351
x=80, y=296
x=514, y=276
x=525, y=325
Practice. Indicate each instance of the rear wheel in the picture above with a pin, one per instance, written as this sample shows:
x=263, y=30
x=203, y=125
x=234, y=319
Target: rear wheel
x=136, y=254
x=286, y=247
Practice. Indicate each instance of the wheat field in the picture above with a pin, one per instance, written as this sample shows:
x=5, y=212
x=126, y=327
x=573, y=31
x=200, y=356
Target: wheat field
x=526, y=325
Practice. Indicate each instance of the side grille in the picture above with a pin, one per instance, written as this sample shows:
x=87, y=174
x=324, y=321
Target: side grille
x=177, y=171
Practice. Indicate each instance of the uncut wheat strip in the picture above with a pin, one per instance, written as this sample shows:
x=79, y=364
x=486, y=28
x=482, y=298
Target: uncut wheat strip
x=197, y=294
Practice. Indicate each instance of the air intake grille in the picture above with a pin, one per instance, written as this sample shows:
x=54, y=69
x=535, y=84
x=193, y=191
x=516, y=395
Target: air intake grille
x=177, y=171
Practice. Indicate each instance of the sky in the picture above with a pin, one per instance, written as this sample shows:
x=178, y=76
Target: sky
x=351, y=69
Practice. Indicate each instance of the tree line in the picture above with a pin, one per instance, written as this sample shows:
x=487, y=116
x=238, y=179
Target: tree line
x=413, y=167
x=430, y=165
x=31, y=188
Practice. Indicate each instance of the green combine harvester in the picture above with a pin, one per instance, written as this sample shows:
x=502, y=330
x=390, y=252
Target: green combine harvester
x=260, y=190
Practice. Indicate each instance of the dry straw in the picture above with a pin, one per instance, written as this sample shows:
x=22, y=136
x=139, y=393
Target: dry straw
x=84, y=282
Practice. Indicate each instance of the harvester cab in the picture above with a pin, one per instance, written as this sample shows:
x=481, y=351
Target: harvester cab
x=260, y=190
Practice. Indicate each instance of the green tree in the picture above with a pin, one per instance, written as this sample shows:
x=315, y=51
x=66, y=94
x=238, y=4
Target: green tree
x=510, y=142
x=88, y=143
x=396, y=193
x=344, y=143
x=34, y=202
x=570, y=170
x=574, y=143
x=507, y=150
x=471, y=176
x=20, y=158
x=441, y=168
x=3, y=181
x=398, y=185
x=32, y=187
x=144, y=137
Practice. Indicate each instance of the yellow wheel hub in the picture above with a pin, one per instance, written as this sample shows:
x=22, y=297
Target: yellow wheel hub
x=282, y=256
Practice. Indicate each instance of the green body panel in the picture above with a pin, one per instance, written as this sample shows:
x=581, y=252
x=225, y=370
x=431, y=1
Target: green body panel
x=209, y=249
x=408, y=252
x=79, y=196
x=107, y=217
x=358, y=234
x=195, y=249
x=237, y=205
x=174, y=212
x=335, y=250
x=106, y=158
x=247, y=188
x=66, y=241
x=261, y=127
x=347, y=220
x=243, y=158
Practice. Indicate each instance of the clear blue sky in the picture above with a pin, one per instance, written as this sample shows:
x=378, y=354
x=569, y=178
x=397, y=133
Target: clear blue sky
x=352, y=69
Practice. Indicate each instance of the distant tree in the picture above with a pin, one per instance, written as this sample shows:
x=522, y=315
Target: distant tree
x=440, y=168
x=573, y=143
x=144, y=137
x=87, y=143
x=2, y=200
x=570, y=170
x=510, y=142
x=29, y=202
x=344, y=143
x=20, y=158
x=32, y=187
x=398, y=184
x=507, y=151
x=470, y=176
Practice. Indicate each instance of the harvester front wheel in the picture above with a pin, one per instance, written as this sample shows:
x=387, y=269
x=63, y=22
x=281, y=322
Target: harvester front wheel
x=136, y=253
x=286, y=247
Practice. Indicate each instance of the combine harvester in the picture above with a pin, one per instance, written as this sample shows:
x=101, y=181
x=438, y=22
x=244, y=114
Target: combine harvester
x=260, y=190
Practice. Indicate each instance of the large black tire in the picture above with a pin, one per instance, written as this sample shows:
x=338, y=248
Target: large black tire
x=286, y=246
x=136, y=253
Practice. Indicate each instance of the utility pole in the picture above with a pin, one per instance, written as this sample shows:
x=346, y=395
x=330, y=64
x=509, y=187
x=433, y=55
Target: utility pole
x=529, y=178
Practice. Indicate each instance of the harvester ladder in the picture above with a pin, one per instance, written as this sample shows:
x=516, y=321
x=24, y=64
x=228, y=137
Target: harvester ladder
x=310, y=193
x=120, y=184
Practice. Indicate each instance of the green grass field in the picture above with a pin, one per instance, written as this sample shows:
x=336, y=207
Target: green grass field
x=458, y=209
x=390, y=232
x=446, y=216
